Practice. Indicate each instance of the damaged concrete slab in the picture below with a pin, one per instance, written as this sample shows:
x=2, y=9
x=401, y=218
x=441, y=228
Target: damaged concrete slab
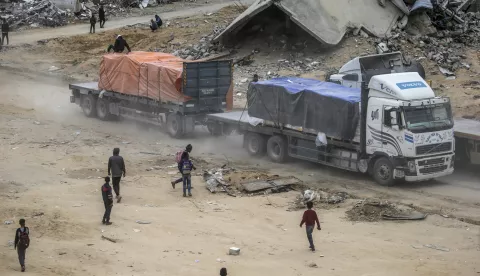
x=326, y=20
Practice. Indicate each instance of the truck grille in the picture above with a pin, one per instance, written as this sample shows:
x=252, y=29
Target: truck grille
x=434, y=161
x=433, y=169
x=434, y=148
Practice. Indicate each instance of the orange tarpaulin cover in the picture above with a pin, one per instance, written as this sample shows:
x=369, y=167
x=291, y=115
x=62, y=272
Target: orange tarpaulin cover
x=147, y=74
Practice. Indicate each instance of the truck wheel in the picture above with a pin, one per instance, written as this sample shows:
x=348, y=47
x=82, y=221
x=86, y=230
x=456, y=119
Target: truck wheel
x=89, y=103
x=383, y=172
x=255, y=144
x=174, y=125
x=214, y=129
x=103, y=112
x=277, y=149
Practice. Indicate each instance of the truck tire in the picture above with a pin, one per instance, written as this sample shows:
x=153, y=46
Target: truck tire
x=174, y=125
x=89, y=103
x=383, y=172
x=255, y=144
x=103, y=112
x=277, y=149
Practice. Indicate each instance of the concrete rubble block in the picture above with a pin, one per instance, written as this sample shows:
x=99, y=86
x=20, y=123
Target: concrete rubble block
x=234, y=251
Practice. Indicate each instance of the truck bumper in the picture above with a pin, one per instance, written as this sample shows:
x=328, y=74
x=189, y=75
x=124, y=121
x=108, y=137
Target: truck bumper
x=428, y=176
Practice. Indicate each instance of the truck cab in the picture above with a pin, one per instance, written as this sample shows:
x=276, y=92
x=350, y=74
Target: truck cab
x=408, y=131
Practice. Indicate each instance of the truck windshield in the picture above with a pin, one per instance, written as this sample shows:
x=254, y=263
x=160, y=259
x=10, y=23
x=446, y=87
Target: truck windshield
x=428, y=118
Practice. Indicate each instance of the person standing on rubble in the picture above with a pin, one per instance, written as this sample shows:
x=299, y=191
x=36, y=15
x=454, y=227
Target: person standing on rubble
x=179, y=156
x=101, y=16
x=5, y=30
x=119, y=45
x=158, y=20
x=116, y=166
x=309, y=218
x=93, y=21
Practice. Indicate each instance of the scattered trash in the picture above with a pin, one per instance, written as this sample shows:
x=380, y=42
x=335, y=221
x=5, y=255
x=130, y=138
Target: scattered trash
x=37, y=214
x=337, y=198
x=375, y=210
x=446, y=72
x=143, y=222
x=53, y=68
x=109, y=239
x=8, y=222
x=441, y=248
x=36, y=122
x=234, y=251
x=62, y=253
x=10, y=243
x=215, y=182
x=77, y=205
x=220, y=260
x=136, y=230
x=197, y=261
x=312, y=265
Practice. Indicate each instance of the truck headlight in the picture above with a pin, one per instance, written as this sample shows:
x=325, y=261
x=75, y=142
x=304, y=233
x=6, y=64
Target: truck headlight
x=411, y=166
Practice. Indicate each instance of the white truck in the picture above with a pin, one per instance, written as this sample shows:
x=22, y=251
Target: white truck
x=405, y=132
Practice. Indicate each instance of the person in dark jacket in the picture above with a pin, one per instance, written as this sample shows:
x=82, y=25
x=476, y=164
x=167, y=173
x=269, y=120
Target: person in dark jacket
x=22, y=241
x=5, y=30
x=158, y=20
x=153, y=25
x=309, y=218
x=186, y=152
x=107, y=201
x=119, y=45
x=116, y=166
x=101, y=16
x=223, y=271
x=93, y=21
x=187, y=167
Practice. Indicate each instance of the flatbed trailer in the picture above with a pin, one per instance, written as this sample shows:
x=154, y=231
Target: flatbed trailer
x=280, y=142
x=467, y=141
x=207, y=84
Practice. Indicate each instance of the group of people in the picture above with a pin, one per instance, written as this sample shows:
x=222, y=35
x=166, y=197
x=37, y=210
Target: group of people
x=155, y=24
x=116, y=169
x=101, y=18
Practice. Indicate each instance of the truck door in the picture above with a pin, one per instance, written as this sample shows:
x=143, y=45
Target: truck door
x=374, y=127
x=392, y=139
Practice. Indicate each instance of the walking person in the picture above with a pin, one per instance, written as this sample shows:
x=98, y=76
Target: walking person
x=187, y=167
x=93, y=21
x=309, y=218
x=5, y=30
x=107, y=201
x=178, y=158
x=101, y=16
x=223, y=271
x=116, y=168
x=22, y=242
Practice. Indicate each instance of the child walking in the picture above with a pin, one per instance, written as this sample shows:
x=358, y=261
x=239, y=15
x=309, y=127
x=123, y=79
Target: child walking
x=107, y=201
x=187, y=167
x=22, y=241
x=309, y=218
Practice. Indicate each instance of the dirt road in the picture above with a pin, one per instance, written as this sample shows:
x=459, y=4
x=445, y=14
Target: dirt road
x=52, y=158
x=32, y=36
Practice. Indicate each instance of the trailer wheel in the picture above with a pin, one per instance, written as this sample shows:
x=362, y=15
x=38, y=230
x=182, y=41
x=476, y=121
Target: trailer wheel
x=89, y=103
x=254, y=144
x=174, y=125
x=103, y=112
x=277, y=149
x=383, y=172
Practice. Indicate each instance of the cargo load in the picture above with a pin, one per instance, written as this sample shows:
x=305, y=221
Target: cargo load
x=310, y=104
x=166, y=78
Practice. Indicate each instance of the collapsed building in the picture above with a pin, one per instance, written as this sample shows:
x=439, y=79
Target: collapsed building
x=442, y=24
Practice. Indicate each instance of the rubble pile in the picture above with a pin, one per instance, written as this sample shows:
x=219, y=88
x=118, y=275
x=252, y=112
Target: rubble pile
x=203, y=49
x=36, y=13
x=440, y=34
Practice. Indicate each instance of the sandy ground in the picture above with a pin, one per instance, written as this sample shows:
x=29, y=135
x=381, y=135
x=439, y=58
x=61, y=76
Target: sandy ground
x=52, y=156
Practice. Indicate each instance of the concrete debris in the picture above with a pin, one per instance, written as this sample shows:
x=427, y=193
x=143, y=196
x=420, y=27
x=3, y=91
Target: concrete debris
x=235, y=251
x=214, y=180
x=204, y=49
x=8, y=222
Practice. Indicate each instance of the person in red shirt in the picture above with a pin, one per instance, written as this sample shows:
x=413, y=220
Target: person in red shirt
x=309, y=218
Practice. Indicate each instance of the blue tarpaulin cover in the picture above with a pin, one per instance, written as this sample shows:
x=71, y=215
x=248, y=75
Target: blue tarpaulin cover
x=312, y=104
